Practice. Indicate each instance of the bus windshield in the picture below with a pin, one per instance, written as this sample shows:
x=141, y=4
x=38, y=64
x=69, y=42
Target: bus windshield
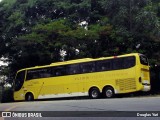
x=19, y=80
x=143, y=60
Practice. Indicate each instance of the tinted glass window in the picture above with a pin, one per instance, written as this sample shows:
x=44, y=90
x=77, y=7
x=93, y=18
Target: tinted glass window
x=143, y=60
x=59, y=71
x=87, y=67
x=129, y=62
x=73, y=69
x=38, y=73
x=104, y=65
x=118, y=63
x=124, y=63
x=19, y=80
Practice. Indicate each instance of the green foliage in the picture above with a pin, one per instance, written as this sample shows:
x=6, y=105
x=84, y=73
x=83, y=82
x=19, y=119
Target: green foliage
x=38, y=32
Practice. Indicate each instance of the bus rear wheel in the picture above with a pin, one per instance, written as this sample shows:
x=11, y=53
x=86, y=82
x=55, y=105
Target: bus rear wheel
x=94, y=93
x=108, y=92
x=29, y=97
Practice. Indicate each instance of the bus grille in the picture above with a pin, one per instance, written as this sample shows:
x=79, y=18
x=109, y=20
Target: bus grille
x=126, y=84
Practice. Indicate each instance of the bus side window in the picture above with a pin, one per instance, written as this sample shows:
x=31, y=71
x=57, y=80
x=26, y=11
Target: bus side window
x=104, y=65
x=59, y=71
x=38, y=73
x=118, y=63
x=73, y=69
x=31, y=74
x=129, y=62
x=87, y=67
x=45, y=72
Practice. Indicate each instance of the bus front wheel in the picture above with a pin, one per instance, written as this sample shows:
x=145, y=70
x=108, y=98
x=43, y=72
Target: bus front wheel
x=29, y=97
x=108, y=92
x=94, y=93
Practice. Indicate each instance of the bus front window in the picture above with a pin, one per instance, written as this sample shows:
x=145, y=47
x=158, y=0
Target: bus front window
x=19, y=80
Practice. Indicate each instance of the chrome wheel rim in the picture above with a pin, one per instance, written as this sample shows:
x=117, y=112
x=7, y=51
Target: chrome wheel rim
x=109, y=93
x=94, y=94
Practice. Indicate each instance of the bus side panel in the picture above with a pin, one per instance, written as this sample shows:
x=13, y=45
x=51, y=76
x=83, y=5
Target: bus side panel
x=65, y=86
x=19, y=95
x=123, y=81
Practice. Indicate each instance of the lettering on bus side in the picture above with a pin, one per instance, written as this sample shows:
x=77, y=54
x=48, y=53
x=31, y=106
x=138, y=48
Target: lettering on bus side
x=82, y=78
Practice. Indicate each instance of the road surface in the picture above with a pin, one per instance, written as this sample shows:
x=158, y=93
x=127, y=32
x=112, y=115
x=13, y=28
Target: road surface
x=116, y=108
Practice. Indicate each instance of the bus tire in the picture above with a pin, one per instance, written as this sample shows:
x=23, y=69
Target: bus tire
x=29, y=97
x=108, y=92
x=94, y=93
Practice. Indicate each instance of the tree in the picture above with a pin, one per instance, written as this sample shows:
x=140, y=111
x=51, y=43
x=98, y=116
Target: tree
x=134, y=23
x=38, y=32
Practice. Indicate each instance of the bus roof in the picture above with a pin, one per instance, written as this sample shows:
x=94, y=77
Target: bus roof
x=78, y=61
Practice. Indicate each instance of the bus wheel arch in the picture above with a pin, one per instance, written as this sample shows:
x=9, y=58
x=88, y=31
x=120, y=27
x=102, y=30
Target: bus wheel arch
x=29, y=96
x=108, y=91
x=94, y=92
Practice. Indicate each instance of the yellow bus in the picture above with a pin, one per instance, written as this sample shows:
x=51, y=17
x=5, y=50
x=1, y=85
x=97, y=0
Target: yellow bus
x=105, y=76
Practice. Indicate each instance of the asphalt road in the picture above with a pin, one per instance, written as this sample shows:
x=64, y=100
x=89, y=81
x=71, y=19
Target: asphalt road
x=110, y=109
